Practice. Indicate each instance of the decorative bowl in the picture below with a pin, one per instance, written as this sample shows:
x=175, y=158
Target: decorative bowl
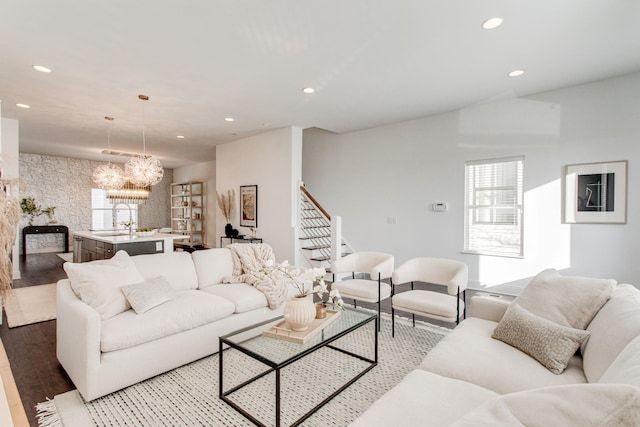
x=145, y=233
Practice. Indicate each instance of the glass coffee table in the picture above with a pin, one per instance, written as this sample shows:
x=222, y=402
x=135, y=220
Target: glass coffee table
x=278, y=354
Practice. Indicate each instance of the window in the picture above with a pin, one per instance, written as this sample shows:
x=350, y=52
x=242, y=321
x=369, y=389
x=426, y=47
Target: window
x=494, y=207
x=102, y=211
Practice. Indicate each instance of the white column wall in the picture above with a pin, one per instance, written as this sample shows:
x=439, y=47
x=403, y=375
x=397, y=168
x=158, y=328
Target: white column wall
x=272, y=162
x=383, y=181
x=9, y=148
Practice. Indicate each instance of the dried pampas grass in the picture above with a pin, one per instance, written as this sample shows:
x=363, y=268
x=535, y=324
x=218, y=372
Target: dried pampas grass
x=9, y=219
x=226, y=204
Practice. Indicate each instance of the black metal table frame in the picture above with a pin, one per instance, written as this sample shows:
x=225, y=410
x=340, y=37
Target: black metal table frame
x=278, y=366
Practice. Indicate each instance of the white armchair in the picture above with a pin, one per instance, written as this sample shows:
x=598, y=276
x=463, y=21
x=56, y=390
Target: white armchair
x=447, y=307
x=377, y=265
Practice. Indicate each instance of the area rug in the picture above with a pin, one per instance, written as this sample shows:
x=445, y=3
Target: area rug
x=30, y=304
x=188, y=396
x=67, y=256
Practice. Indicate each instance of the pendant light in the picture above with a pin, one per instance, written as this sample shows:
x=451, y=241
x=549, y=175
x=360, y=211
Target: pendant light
x=109, y=176
x=143, y=170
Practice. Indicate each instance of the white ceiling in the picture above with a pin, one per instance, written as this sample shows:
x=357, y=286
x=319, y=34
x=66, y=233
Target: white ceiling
x=372, y=62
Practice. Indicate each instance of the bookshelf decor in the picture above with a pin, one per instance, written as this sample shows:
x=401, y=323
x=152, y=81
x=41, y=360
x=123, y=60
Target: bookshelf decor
x=188, y=211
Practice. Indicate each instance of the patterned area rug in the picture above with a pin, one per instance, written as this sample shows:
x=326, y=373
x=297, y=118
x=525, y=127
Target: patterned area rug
x=188, y=396
x=32, y=304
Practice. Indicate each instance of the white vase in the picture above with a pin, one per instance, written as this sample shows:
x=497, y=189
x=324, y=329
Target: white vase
x=299, y=312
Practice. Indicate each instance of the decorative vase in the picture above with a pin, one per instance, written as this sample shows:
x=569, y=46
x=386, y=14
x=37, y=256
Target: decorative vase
x=228, y=230
x=299, y=312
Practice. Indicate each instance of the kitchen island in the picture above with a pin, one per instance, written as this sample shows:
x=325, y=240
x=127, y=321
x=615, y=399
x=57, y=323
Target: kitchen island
x=94, y=245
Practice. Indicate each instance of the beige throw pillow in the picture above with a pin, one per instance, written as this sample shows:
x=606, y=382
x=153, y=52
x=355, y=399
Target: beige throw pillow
x=567, y=300
x=146, y=295
x=98, y=283
x=550, y=344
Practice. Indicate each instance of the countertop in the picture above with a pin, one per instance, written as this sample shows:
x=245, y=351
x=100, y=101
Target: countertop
x=109, y=237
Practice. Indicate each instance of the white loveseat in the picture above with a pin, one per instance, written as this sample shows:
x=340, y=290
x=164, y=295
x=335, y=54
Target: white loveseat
x=472, y=379
x=103, y=352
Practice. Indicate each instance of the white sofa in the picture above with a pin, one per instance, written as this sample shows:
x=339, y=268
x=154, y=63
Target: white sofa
x=103, y=353
x=470, y=378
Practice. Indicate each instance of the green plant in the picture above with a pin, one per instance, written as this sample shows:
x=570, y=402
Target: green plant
x=29, y=207
x=50, y=211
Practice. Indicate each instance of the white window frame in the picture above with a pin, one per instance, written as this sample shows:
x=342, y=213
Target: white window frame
x=104, y=208
x=494, y=207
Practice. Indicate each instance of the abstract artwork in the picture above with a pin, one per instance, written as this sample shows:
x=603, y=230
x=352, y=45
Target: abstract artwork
x=596, y=193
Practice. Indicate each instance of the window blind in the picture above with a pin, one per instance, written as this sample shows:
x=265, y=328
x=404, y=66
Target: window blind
x=494, y=207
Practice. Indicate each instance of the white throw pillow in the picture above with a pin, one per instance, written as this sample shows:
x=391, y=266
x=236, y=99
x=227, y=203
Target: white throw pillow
x=99, y=283
x=550, y=344
x=566, y=300
x=148, y=294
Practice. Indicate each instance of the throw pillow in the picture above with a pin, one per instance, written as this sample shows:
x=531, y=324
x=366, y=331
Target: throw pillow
x=566, y=300
x=98, y=283
x=550, y=344
x=146, y=295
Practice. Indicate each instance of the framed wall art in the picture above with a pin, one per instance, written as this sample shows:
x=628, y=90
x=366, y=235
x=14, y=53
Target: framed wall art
x=249, y=206
x=596, y=193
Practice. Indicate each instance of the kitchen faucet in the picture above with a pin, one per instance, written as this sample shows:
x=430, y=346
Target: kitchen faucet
x=115, y=217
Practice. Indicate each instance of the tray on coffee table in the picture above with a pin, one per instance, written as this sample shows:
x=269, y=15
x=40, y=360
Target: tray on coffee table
x=282, y=331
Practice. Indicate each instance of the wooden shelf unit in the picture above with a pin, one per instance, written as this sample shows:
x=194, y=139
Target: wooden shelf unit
x=188, y=210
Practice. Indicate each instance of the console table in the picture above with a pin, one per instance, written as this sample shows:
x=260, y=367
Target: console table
x=243, y=239
x=45, y=229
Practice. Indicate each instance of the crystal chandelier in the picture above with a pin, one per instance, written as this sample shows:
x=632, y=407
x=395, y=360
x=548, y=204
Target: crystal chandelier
x=129, y=194
x=109, y=176
x=143, y=170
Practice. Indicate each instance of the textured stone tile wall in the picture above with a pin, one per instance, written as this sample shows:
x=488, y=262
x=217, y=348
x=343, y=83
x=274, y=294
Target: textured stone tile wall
x=66, y=184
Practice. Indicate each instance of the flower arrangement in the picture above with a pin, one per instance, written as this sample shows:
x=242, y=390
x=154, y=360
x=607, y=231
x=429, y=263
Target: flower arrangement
x=300, y=278
x=226, y=204
x=31, y=210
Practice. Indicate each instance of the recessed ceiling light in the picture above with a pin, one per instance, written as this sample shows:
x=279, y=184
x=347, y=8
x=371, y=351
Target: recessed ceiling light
x=180, y=136
x=516, y=73
x=41, y=68
x=308, y=90
x=229, y=119
x=492, y=23
x=23, y=106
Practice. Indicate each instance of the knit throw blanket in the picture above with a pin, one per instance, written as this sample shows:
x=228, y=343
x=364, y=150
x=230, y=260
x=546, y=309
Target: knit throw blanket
x=249, y=262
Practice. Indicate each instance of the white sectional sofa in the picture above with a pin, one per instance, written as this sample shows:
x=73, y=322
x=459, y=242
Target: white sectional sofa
x=473, y=379
x=105, y=345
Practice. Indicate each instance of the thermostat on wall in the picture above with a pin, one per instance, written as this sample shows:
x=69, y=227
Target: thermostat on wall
x=440, y=207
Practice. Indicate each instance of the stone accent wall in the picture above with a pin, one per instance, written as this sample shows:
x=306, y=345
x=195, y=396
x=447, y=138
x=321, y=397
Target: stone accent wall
x=66, y=184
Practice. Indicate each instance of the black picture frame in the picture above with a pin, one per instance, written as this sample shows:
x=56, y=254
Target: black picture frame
x=596, y=193
x=249, y=206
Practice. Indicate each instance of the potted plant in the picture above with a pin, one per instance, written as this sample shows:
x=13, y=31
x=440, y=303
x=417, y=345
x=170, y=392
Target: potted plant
x=34, y=211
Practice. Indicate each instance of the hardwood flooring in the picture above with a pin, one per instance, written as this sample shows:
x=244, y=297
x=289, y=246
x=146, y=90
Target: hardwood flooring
x=31, y=349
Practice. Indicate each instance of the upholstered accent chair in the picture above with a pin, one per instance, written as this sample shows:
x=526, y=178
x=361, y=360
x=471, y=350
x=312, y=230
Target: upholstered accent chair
x=447, y=307
x=377, y=265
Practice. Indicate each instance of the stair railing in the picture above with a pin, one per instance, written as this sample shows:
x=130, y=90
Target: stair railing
x=321, y=232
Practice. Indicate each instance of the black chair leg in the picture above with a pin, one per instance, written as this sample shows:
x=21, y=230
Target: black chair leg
x=393, y=323
x=413, y=317
x=354, y=304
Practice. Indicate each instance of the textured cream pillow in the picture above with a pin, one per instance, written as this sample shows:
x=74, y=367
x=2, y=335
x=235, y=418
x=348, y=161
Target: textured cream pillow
x=566, y=300
x=146, y=295
x=550, y=344
x=98, y=283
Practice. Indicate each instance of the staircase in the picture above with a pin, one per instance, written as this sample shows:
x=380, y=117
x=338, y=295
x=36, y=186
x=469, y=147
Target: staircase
x=316, y=229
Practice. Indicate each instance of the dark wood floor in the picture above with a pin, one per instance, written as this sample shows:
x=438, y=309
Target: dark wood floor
x=31, y=349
